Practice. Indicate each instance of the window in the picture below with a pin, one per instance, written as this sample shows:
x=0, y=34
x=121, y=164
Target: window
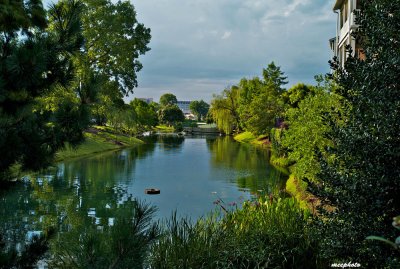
x=344, y=12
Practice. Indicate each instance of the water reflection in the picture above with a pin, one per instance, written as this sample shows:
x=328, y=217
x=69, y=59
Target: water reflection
x=258, y=175
x=191, y=172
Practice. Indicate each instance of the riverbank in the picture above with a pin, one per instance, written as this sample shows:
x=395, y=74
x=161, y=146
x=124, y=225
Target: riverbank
x=98, y=139
x=295, y=187
x=249, y=138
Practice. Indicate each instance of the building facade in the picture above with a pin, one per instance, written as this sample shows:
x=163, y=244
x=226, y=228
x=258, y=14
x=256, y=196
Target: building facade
x=184, y=106
x=147, y=100
x=347, y=11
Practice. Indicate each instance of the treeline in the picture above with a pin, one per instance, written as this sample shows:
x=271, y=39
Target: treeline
x=253, y=105
x=339, y=138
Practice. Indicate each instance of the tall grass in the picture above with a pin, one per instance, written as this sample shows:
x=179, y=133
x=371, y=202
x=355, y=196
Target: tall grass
x=263, y=234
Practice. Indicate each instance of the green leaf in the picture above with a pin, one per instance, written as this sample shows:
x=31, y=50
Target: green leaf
x=378, y=238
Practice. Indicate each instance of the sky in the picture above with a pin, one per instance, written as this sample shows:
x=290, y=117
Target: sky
x=201, y=47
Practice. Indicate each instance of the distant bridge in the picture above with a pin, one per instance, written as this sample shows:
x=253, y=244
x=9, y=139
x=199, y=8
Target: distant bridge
x=198, y=130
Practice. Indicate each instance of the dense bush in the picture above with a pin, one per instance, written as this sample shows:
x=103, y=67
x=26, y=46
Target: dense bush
x=363, y=182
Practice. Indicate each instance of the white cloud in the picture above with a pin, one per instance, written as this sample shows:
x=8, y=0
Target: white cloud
x=226, y=35
x=292, y=7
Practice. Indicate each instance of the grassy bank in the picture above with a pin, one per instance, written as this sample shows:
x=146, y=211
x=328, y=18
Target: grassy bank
x=298, y=189
x=98, y=139
x=249, y=138
x=164, y=129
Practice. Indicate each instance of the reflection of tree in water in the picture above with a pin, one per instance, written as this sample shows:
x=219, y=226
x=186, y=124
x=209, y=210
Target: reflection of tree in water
x=241, y=157
x=117, y=235
x=259, y=186
x=71, y=191
x=170, y=142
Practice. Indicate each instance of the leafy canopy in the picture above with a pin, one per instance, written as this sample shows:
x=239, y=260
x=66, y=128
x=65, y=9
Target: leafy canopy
x=168, y=99
x=171, y=114
x=114, y=40
x=199, y=108
x=40, y=112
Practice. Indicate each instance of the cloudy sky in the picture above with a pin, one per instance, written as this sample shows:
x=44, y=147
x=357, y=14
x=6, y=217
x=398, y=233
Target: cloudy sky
x=199, y=47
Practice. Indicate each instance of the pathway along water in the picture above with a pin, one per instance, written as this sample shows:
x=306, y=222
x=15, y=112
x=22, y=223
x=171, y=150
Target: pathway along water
x=191, y=172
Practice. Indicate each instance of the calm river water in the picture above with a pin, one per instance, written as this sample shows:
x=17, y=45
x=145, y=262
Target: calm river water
x=191, y=172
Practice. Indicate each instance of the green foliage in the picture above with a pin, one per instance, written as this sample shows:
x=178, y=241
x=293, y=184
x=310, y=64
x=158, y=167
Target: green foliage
x=171, y=114
x=260, y=102
x=178, y=127
x=17, y=15
x=190, y=123
x=253, y=105
x=262, y=113
x=296, y=94
x=264, y=234
x=307, y=132
x=146, y=114
x=108, y=63
x=114, y=40
x=168, y=99
x=274, y=76
x=199, y=108
x=396, y=243
x=363, y=182
x=31, y=128
x=224, y=110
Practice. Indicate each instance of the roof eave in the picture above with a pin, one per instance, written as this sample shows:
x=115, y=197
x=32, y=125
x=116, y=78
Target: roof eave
x=338, y=4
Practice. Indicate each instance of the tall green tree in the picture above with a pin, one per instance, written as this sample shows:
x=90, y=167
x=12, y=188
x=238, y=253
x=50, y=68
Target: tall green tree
x=274, y=76
x=263, y=111
x=364, y=183
x=199, y=108
x=224, y=110
x=146, y=115
x=114, y=40
x=171, y=114
x=40, y=112
x=168, y=99
x=308, y=130
x=260, y=103
x=249, y=88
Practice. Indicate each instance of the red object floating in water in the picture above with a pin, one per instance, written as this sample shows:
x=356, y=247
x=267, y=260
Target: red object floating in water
x=152, y=191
